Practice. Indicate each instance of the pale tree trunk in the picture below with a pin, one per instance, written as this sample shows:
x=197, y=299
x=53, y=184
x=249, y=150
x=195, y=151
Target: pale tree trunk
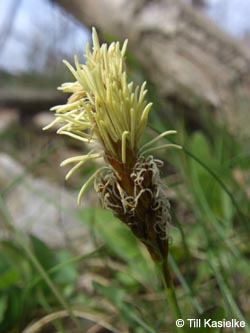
x=193, y=64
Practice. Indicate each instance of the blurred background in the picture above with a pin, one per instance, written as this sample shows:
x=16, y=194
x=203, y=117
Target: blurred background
x=36, y=36
x=55, y=256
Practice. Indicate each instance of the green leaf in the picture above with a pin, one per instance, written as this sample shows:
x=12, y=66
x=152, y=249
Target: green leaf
x=66, y=274
x=116, y=296
x=200, y=145
x=3, y=306
x=125, y=278
x=43, y=253
x=13, y=259
x=119, y=239
x=9, y=277
x=215, y=314
x=116, y=235
x=111, y=292
x=13, y=311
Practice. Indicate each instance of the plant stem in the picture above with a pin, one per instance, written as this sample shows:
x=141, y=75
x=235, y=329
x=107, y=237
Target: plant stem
x=170, y=292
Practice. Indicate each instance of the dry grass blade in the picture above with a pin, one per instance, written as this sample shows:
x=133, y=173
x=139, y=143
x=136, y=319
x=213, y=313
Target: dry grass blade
x=84, y=314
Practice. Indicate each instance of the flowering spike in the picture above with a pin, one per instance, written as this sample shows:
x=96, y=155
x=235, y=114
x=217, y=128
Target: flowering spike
x=106, y=110
x=95, y=38
x=168, y=145
x=124, y=138
x=124, y=47
x=72, y=170
x=86, y=184
x=160, y=136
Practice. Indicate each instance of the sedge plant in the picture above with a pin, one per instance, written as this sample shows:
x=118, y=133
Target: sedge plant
x=108, y=113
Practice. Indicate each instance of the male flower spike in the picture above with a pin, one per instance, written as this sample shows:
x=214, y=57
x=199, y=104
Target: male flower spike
x=105, y=110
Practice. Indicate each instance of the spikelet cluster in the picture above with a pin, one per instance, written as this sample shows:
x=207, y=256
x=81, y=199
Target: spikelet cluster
x=108, y=111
